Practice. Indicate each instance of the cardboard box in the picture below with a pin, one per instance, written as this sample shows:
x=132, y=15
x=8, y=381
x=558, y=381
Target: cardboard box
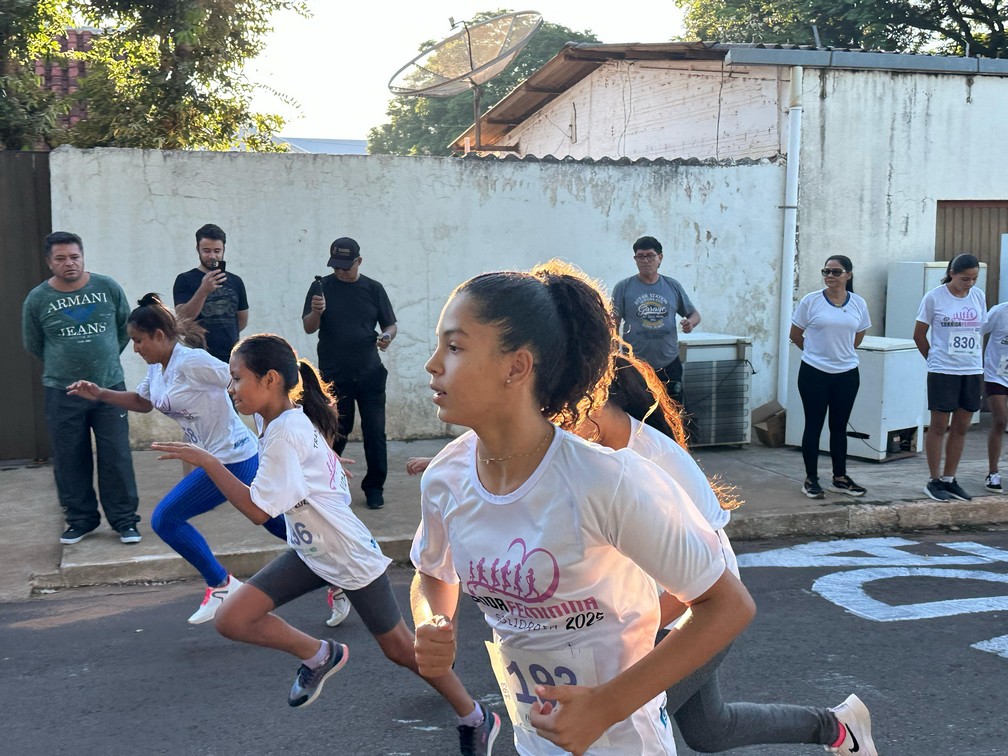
x=769, y=421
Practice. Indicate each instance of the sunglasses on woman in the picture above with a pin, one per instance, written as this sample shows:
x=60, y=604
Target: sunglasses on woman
x=832, y=272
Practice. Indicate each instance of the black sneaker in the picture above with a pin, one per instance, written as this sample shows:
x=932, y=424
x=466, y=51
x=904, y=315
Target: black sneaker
x=812, y=489
x=308, y=682
x=936, y=490
x=476, y=741
x=993, y=483
x=130, y=535
x=847, y=486
x=955, y=490
x=74, y=534
x=375, y=499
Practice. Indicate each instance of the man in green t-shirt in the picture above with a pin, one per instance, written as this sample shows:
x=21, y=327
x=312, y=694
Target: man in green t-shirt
x=75, y=322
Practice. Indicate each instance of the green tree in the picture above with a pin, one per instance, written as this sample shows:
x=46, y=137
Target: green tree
x=167, y=74
x=976, y=26
x=426, y=125
x=29, y=115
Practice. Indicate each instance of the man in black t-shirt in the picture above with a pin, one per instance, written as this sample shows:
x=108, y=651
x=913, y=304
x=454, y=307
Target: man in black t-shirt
x=214, y=299
x=345, y=309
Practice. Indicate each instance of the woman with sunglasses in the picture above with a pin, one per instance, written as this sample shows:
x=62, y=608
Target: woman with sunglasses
x=828, y=325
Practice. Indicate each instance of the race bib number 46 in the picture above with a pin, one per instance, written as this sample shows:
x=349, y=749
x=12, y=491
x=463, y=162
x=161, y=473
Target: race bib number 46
x=518, y=673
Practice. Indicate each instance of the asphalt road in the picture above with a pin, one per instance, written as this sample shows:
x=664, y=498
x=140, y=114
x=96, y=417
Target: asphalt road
x=118, y=670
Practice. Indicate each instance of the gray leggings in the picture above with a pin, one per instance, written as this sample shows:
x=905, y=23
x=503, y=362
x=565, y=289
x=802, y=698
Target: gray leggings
x=710, y=725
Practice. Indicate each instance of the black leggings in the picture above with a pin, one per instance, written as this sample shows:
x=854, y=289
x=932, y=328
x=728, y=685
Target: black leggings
x=821, y=392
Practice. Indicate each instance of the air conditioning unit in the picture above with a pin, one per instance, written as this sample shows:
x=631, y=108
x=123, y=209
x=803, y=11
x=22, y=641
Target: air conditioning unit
x=717, y=372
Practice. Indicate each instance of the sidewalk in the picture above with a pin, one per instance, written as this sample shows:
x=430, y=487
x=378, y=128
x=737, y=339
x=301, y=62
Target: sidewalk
x=768, y=480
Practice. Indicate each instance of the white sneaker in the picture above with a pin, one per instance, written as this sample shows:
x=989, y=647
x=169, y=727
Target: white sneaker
x=212, y=599
x=340, y=606
x=854, y=716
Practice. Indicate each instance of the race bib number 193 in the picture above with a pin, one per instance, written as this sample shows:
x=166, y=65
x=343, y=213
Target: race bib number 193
x=518, y=673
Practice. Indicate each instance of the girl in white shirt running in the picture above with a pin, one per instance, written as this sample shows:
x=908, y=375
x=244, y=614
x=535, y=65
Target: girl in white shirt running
x=189, y=386
x=301, y=478
x=640, y=416
x=558, y=540
x=948, y=334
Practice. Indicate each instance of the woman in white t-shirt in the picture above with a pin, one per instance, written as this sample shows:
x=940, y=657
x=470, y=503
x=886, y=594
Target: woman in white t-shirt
x=828, y=325
x=557, y=540
x=301, y=478
x=949, y=334
x=640, y=416
x=996, y=389
x=189, y=386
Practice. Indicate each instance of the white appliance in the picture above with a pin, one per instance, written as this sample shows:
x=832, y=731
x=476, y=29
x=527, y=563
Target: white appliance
x=717, y=371
x=889, y=411
x=908, y=283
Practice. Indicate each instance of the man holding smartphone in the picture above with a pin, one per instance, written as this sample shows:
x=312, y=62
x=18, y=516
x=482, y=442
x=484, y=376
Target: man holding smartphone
x=212, y=297
x=348, y=309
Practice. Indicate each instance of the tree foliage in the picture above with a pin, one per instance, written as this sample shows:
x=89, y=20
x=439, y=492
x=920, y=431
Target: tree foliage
x=29, y=115
x=427, y=125
x=954, y=28
x=161, y=74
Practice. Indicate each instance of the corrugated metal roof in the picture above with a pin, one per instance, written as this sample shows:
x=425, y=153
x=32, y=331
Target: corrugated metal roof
x=577, y=61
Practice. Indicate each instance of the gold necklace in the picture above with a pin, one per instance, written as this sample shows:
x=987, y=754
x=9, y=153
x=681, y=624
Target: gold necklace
x=488, y=460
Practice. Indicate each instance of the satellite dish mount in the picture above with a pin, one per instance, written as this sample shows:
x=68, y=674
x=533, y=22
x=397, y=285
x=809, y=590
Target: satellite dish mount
x=468, y=59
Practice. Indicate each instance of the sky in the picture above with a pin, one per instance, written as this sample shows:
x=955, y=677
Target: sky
x=337, y=64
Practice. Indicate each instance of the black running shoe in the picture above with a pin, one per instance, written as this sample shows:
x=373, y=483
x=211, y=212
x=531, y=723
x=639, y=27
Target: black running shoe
x=477, y=741
x=812, y=489
x=955, y=490
x=936, y=490
x=308, y=683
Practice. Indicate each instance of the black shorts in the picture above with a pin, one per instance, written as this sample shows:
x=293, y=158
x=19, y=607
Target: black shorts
x=995, y=389
x=948, y=393
x=287, y=577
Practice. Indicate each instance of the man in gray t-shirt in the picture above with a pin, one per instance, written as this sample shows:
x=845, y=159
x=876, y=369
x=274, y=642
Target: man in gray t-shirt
x=75, y=323
x=646, y=305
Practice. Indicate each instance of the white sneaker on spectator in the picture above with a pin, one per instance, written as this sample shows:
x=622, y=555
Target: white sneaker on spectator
x=212, y=599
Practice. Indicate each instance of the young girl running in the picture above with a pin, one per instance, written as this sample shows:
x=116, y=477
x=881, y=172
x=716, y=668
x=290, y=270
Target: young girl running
x=556, y=539
x=955, y=314
x=189, y=386
x=707, y=723
x=301, y=478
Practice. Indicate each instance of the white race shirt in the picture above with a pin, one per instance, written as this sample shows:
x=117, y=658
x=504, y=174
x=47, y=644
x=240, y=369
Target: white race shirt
x=654, y=445
x=996, y=356
x=564, y=570
x=830, y=330
x=192, y=391
x=301, y=478
x=955, y=330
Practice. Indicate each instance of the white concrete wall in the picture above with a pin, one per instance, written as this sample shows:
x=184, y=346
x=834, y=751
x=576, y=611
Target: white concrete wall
x=879, y=150
x=652, y=109
x=424, y=225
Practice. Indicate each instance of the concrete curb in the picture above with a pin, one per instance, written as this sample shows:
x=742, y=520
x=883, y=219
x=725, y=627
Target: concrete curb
x=841, y=520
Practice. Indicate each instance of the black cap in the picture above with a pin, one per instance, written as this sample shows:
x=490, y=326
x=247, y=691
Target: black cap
x=343, y=252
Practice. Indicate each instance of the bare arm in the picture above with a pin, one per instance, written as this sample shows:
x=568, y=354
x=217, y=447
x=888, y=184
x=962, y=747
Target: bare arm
x=386, y=337
x=242, y=317
x=858, y=338
x=434, y=603
x=233, y=489
x=313, y=319
x=690, y=322
x=129, y=400
x=797, y=336
x=191, y=309
x=920, y=338
x=583, y=714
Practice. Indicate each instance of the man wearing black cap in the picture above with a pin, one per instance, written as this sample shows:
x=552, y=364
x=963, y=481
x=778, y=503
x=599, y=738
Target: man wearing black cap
x=347, y=309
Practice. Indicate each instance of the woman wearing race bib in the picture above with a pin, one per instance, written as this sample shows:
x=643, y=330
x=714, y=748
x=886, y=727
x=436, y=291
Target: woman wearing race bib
x=954, y=314
x=557, y=540
x=301, y=478
x=640, y=416
x=996, y=389
x=828, y=325
x=189, y=386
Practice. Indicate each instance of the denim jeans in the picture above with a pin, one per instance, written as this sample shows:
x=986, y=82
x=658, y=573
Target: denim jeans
x=72, y=421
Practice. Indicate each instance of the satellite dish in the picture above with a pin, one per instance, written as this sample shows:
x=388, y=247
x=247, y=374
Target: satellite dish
x=467, y=59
